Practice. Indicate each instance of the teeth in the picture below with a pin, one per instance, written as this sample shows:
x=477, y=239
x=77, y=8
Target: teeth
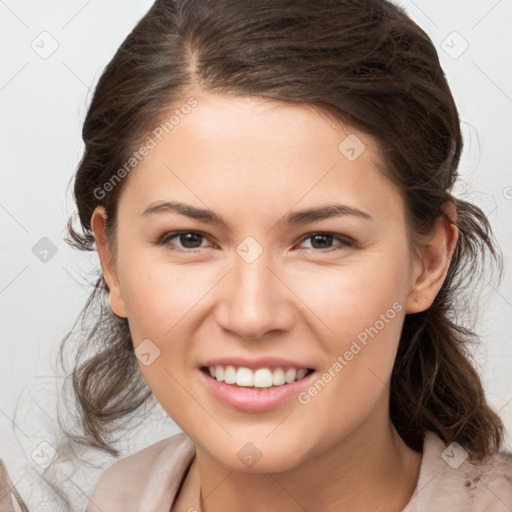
x=301, y=373
x=260, y=378
x=278, y=377
x=290, y=375
x=230, y=375
x=244, y=377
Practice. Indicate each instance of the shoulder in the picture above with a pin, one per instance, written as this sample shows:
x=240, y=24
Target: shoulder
x=448, y=480
x=146, y=480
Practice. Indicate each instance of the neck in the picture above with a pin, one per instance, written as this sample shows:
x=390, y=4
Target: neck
x=370, y=470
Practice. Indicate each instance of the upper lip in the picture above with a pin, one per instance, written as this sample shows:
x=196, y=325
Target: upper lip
x=255, y=363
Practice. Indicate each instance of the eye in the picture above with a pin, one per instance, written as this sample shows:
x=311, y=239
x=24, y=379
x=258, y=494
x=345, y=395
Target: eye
x=323, y=241
x=191, y=240
x=188, y=239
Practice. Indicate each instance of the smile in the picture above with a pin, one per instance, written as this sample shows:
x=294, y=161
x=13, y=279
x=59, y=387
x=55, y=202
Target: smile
x=258, y=378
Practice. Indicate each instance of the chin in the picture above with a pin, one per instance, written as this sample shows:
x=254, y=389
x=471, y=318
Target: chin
x=259, y=457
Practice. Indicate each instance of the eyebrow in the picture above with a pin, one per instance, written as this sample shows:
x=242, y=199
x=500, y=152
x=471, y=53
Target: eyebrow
x=185, y=209
x=323, y=212
x=297, y=217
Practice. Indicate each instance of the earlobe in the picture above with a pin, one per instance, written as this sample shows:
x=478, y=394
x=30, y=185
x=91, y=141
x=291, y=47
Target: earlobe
x=108, y=267
x=434, y=263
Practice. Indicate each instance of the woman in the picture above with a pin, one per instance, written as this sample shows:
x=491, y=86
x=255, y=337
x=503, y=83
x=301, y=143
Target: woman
x=267, y=185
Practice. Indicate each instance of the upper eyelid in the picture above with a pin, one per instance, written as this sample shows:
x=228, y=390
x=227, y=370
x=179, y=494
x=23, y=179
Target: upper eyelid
x=327, y=233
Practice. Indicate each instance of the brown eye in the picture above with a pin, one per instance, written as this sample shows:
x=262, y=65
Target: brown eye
x=187, y=239
x=323, y=241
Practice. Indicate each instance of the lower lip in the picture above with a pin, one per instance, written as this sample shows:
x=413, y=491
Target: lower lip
x=254, y=400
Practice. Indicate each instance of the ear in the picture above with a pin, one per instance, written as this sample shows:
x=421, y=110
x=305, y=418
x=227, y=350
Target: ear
x=431, y=268
x=108, y=265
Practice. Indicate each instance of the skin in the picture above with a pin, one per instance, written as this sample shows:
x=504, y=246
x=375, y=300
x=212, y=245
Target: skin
x=251, y=162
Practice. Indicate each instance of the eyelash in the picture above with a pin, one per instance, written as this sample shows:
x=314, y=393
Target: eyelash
x=344, y=241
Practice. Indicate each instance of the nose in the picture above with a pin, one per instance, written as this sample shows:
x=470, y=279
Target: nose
x=255, y=300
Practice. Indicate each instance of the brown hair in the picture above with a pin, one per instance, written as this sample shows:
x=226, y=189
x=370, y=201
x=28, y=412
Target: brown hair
x=367, y=64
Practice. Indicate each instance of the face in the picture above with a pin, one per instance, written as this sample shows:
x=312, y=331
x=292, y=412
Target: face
x=263, y=287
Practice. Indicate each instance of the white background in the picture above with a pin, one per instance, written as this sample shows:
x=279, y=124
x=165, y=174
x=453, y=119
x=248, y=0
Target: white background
x=43, y=103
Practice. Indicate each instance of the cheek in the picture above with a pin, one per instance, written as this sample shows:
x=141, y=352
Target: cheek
x=159, y=296
x=160, y=300
x=365, y=310
x=351, y=298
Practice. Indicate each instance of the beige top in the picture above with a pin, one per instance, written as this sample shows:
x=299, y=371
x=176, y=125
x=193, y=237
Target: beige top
x=10, y=500
x=150, y=480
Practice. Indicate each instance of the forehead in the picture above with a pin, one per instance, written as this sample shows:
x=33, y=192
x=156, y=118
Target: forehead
x=257, y=154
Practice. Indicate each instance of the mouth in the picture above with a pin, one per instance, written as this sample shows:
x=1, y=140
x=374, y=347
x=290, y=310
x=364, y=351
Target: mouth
x=260, y=378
